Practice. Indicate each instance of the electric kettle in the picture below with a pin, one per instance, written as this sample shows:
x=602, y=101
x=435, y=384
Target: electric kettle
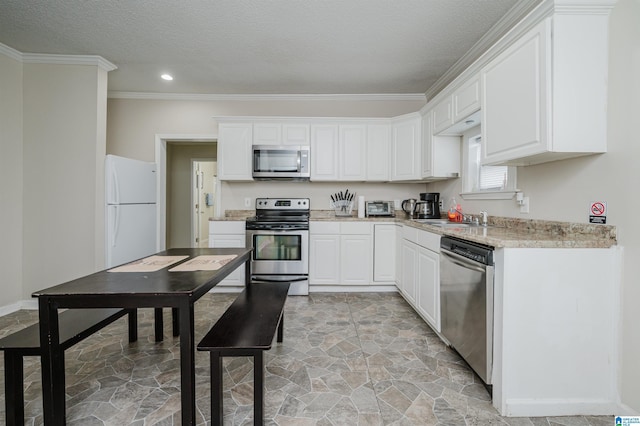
x=409, y=206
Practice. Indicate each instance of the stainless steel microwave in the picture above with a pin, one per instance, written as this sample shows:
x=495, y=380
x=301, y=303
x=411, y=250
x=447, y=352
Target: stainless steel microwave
x=281, y=162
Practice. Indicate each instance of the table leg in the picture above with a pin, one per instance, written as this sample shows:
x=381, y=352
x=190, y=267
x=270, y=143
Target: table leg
x=247, y=273
x=258, y=388
x=52, y=364
x=187, y=364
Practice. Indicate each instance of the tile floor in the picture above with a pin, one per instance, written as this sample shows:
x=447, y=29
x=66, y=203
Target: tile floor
x=347, y=359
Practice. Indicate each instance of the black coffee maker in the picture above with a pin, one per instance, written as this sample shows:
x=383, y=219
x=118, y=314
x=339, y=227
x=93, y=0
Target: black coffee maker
x=429, y=205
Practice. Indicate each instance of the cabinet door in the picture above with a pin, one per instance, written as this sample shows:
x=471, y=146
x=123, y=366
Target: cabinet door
x=234, y=151
x=378, y=151
x=236, y=278
x=405, y=150
x=324, y=259
x=409, y=271
x=514, y=99
x=440, y=154
x=352, y=154
x=429, y=287
x=355, y=259
x=295, y=134
x=267, y=134
x=466, y=100
x=442, y=115
x=384, y=253
x=324, y=152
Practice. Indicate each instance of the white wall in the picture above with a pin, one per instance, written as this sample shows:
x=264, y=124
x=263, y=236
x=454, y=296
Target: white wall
x=64, y=148
x=11, y=194
x=562, y=190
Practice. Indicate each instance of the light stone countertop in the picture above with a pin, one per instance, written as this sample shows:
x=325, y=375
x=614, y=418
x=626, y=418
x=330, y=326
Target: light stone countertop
x=501, y=232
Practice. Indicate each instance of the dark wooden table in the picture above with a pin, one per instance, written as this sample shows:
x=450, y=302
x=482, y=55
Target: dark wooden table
x=177, y=290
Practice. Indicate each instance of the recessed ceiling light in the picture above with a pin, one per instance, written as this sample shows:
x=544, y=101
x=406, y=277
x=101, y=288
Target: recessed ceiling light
x=167, y=77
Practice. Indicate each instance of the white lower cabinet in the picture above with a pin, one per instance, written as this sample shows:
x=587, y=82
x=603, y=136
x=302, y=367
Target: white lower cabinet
x=340, y=253
x=428, y=302
x=409, y=271
x=420, y=280
x=229, y=234
x=384, y=252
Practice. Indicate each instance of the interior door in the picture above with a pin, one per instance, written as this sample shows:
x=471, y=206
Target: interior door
x=203, y=196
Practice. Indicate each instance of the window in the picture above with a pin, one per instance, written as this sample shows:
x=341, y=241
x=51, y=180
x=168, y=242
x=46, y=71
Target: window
x=484, y=182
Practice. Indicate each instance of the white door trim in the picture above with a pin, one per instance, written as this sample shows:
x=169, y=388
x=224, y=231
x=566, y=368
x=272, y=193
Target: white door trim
x=161, y=164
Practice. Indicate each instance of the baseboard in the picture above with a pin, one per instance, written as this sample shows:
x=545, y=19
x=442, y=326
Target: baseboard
x=625, y=410
x=314, y=288
x=30, y=304
x=559, y=407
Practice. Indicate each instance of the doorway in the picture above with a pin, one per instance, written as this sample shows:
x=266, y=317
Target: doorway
x=203, y=184
x=180, y=189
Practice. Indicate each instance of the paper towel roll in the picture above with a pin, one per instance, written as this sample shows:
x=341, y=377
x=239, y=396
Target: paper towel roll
x=360, y=206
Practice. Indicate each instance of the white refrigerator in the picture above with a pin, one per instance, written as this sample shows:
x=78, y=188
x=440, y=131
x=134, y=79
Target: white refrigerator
x=130, y=210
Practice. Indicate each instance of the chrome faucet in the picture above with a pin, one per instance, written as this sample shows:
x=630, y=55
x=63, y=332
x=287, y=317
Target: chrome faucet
x=484, y=218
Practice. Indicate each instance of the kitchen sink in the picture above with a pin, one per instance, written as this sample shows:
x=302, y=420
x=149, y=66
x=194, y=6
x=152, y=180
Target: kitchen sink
x=443, y=223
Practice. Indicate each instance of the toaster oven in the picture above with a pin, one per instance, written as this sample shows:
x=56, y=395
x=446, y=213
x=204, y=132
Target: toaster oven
x=379, y=209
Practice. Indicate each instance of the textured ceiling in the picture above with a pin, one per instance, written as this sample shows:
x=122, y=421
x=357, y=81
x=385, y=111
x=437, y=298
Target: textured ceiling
x=257, y=46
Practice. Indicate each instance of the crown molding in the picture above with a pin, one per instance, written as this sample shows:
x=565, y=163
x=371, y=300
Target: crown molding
x=10, y=52
x=417, y=97
x=43, y=58
x=508, y=21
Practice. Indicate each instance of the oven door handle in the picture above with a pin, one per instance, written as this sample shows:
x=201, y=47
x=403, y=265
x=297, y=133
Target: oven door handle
x=276, y=280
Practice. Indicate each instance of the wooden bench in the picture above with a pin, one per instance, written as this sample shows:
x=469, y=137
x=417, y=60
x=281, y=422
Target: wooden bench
x=75, y=325
x=245, y=329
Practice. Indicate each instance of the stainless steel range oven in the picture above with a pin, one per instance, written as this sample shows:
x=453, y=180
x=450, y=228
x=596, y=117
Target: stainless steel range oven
x=279, y=236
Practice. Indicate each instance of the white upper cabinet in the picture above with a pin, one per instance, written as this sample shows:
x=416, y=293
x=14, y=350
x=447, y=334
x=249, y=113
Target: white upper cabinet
x=544, y=97
x=324, y=152
x=466, y=99
x=280, y=134
x=234, y=151
x=405, y=148
x=442, y=115
x=267, y=134
x=449, y=114
x=295, y=134
x=352, y=152
x=440, y=154
x=378, y=152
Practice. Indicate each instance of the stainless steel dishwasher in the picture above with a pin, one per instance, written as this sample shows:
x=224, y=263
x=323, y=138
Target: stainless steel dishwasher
x=466, y=301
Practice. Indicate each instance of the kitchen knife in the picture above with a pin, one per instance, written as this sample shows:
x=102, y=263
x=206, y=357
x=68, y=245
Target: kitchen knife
x=346, y=195
x=332, y=199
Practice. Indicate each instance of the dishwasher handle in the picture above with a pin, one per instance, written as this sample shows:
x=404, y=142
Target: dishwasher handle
x=463, y=261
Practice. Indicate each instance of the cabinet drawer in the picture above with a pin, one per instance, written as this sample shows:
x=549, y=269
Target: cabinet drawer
x=324, y=228
x=226, y=227
x=429, y=240
x=227, y=241
x=355, y=228
x=410, y=234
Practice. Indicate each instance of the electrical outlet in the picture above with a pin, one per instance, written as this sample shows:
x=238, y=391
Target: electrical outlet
x=524, y=207
x=440, y=204
x=247, y=202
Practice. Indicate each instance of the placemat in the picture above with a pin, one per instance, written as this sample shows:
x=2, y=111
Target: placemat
x=205, y=263
x=149, y=264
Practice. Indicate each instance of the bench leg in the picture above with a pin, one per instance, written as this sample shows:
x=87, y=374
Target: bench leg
x=258, y=388
x=176, y=322
x=281, y=328
x=216, y=389
x=159, y=324
x=132, y=319
x=14, y=388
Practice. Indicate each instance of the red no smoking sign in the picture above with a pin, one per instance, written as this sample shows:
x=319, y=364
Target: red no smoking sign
x=598, y=212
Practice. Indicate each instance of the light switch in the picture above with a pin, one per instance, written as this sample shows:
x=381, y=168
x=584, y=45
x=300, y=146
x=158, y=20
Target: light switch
x=247, y=202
